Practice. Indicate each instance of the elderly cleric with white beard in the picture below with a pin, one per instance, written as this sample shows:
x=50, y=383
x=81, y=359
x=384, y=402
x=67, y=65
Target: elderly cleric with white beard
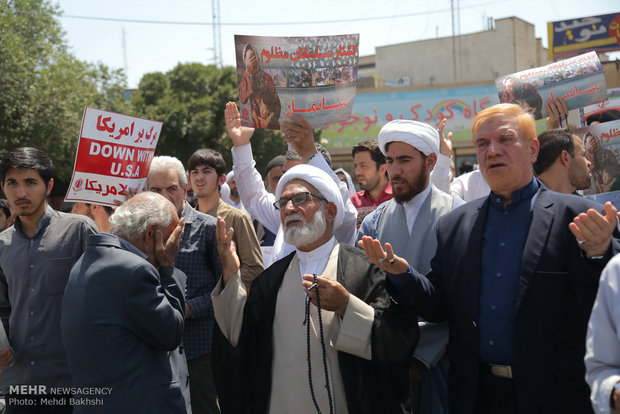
x=275, y=351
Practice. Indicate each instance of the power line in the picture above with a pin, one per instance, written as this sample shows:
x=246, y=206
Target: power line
x=360, y=19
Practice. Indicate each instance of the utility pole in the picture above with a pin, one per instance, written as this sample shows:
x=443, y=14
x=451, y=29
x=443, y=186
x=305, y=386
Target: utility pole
x=217, y=33
x=125, y=54
x=453, y=41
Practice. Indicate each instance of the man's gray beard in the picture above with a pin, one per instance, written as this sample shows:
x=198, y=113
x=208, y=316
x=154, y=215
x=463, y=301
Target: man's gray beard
x=307, y=233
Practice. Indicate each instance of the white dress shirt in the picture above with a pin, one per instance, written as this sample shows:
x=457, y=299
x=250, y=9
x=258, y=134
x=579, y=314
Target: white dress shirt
x=603, y=339
x=412, y=207
x=470, y=186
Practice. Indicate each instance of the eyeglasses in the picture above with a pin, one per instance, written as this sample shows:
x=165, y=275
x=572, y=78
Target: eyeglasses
x=298, y=199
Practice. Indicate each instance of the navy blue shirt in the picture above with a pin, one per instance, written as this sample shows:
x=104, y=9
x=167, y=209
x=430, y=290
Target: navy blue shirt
x=197, y=257
x=502, y=250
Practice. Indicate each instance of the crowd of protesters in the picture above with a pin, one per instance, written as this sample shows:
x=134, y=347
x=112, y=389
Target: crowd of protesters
x=417, y=292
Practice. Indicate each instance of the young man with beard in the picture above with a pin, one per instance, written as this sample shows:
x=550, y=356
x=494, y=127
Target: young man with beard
x=371, y=175
x=207, y=172
x=562, y=164
x=408, y=223
x=36, y=256
x=515, y=274
x=264, y=349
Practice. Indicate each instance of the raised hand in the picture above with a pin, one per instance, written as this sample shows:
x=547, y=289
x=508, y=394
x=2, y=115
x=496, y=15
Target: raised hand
x=226, y=250
x=385, y=259
x=445, y=142
x=557, y=111
x=300, y=135
x=593, y=230
x=239, y=135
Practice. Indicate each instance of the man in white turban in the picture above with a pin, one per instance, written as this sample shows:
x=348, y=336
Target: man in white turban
x=233, y=197
x=408, y=222
x=258, y=201
x=276, y=352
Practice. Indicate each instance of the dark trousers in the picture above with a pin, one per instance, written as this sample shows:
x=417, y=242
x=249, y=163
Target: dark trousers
x=496, y=395
x=201, y=386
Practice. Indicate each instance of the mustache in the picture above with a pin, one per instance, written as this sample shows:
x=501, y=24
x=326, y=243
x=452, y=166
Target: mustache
x=294, y=217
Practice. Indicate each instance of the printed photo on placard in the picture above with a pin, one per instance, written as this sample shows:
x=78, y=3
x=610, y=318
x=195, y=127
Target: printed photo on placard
x=313, y=77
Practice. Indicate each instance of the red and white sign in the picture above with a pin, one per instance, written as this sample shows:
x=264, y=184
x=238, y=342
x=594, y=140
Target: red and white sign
x=114, y=154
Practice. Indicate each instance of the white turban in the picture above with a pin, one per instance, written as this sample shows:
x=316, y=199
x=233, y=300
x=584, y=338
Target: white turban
x=225, y=192
x=419, y=135
x=230, y=175
x=319, y=179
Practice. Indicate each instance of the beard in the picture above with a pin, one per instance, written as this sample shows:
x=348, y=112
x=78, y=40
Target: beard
x=580, y=183
x=413, y=188
x=580, y=179
x=370, y=184
x=307, y=233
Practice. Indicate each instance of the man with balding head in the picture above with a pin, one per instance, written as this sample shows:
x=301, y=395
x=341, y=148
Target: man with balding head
x=197, y=258
x=515, y=274
x=123, y=311
x=408, y=222
x=354, y=349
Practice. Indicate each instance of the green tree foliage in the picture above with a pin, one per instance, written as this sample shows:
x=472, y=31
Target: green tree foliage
x=43, y=88
x=190, y=101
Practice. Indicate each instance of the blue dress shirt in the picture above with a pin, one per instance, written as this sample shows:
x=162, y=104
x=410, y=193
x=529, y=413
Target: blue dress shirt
x=503, y=241
x=197, y=257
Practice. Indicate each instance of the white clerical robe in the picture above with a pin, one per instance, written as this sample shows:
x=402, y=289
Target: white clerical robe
x=290, y=390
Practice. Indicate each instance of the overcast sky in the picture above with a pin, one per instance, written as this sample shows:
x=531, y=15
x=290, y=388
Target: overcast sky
x=157, y=46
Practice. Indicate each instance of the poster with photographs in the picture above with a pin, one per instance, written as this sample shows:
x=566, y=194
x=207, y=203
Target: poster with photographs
x=312, y=77
x=603, y=111
x=579, y=81
x=602, y=145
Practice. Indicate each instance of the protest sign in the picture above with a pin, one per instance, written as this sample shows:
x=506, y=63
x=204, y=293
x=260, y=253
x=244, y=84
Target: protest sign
x=313, y=77
x=114, y=154
x=373, y=110
x=611, y=104
x=602, y=143
x=571, y=37
x=580, y=81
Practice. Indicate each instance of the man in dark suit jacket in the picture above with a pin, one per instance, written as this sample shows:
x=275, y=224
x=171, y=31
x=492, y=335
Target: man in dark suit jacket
x=123, y=311
x=515, y=274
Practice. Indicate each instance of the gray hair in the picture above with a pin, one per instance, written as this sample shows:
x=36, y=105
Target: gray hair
x=166, y=163
x=291, y=155
x=131, y=220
